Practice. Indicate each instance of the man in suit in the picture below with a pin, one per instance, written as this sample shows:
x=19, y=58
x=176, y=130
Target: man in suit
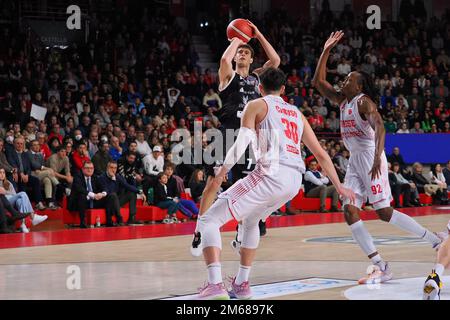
x=121, y=191
x=20, y=160
x=45, y=175
x=88, y=193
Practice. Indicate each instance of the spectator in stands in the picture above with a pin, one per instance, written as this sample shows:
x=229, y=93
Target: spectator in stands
x=163, y=201
x=45, y=174
x=212, y=100
x=396, y=157
x=60, y=164
x=197, y=184
x=93, y=143
x=446, y=173
x=20, y=160
x=316, y=187
x=115, y=150
x=89, y=193
x=403, y=128
x=399, y=186
x=123, y=192
x=343, y=160
x=45, y=149
x=80, y=156
x=127, y=168
x=424, y=186
x=20, y=201
x=416, y=128
x=101, y=158
x=436, y=176
x=143, y=147
x=414, y=197
x=153, y=165
x=187, y=207
x=4, y=162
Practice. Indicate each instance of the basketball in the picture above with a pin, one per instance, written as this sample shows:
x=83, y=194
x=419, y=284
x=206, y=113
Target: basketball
x=240, y=28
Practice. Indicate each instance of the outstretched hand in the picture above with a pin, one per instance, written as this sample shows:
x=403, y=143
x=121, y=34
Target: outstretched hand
x=347, y=194
x=332, y=41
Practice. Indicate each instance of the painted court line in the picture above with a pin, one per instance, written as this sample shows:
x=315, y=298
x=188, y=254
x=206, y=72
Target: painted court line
x=284, y=288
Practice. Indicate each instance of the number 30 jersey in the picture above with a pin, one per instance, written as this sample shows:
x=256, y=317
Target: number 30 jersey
x=279, y=136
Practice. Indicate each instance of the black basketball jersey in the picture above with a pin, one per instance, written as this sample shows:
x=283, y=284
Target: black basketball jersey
x=235, y=96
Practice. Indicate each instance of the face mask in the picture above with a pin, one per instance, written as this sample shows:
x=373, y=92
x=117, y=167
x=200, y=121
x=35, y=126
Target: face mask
x=9, y=139
x=78, y=137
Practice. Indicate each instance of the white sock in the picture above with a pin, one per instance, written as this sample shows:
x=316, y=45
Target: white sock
x=439, y=269
x=214, y=273
x=378, y=261
x=410, y=225
x=363, y=237
x=242, y=275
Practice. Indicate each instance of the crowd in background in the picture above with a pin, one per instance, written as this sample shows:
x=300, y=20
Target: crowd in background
x=121, y=95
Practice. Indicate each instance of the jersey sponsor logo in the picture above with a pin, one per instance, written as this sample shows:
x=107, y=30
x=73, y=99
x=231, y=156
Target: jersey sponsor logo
x=292, y=149
x=352, y=134
x=350, y=111
x=348, y=123
x=386, y=240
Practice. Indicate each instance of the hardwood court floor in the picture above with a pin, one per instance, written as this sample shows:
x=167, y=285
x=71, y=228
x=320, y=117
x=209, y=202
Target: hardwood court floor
x=160, y=267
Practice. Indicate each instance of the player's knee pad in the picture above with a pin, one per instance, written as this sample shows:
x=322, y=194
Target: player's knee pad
x=209, y=223
x=250, y=235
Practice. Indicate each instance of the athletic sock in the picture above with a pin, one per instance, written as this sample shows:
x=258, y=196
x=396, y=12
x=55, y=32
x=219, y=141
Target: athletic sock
x=378, y=261
x=439, y=269
x=410, y=225
x=214, y=273
x=363, y=237
x=242, y=275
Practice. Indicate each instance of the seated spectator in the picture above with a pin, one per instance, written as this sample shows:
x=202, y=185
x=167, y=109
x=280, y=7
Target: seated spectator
x=45, y=174
x=212, y=100
x=446, y=173
x=20, y=201
x=4, y=162
x=436, y=176
x=153, y=165
x=416, y=128
x=403, y=128
x=93, y=143
x=396, y=157
x=115, y=184
x=89, y=193
x=197, y=184
x=115, y=150
x=45, y=149
x=187, y=207
x=60, y=164
x=128, y=169
x=143, y=147
x=414, y=193
x=20, y=160
x=80, y=156
x=399, y=187
x=211, y=117
x=424, y=186
x=163, y=201
x=316, y=187
x=101, y=158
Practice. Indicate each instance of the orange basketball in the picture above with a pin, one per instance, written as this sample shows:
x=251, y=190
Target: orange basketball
x=240, y=28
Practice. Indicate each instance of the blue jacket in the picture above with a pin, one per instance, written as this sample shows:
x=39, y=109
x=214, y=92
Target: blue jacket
x=120, y=184
x=13, y=159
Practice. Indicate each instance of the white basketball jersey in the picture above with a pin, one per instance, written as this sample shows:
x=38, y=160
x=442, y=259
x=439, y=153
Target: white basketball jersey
x=357, y=133
x=279, y=136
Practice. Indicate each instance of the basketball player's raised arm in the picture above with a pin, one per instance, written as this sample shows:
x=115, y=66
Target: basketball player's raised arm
x=310, y=140
x=319, y=80
x=254, y=111
x=274, y=58
x=226, y=62
x=368, y=111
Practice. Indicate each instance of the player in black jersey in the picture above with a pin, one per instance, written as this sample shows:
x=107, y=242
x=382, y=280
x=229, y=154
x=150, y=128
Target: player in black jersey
x=237, y=86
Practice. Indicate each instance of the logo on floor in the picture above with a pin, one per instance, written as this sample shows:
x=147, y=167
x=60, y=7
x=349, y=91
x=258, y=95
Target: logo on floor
x=278, y=289
x=385, y=240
